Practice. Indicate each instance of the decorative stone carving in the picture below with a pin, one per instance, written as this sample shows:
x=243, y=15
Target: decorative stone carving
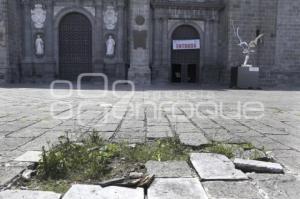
x=39, y=46
x=38, y=16
x=110, y=46
x=110, y=18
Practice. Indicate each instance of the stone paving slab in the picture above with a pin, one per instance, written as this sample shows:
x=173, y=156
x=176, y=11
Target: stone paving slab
x=97, y=192
x=9, y=173
x=277, y=186
x=9, y=144
x=215, y=167
x=30, y=156
x=159, y=135
x=176, y=188
x=16, y=194
x=231, y=190
x=169, y=169
x=193, y=139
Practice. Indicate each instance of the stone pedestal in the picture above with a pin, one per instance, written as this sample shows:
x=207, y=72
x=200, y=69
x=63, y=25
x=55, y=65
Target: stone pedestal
x=139, y=20
x=245, y=77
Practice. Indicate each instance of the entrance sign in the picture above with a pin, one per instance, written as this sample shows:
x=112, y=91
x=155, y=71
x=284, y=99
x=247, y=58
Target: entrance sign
x=186, y=44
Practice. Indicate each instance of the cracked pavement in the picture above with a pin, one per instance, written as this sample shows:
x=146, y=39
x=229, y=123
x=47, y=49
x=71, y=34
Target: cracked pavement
x=32, y=117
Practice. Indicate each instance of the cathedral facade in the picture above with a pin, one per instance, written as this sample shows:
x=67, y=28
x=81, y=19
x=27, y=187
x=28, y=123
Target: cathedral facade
x=148, y=41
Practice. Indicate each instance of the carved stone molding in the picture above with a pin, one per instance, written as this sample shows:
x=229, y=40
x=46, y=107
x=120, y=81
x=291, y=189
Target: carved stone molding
x=57, y=9
x=92, y=10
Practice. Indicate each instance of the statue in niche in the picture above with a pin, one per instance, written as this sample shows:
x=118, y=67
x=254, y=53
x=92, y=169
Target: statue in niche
x=39, y=46
x=38, y=16
x=248, y=48
x=110, y=46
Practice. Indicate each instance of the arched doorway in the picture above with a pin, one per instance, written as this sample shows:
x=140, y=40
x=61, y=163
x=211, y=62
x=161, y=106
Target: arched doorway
x=185, y=58
x=75, y=46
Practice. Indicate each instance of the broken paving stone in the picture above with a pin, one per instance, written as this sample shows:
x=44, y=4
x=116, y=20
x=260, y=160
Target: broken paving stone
x=16, y=194
x=258, y=166
x=169, y=169
x=30, y=156
x=212, y=166
x=97, y=192
x=135, y=175
x=232, y=190
x=7, y=174
x=176, y=188
x=146, y=181
x=254, y=154
x=287, y=186
x=112, y=182
x=193, y=139
x=27, y=174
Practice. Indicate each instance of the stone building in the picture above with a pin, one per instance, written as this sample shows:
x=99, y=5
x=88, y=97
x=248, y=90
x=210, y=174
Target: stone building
x=147, y=40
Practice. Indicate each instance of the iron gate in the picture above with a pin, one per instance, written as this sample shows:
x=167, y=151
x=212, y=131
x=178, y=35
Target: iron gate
x=75, y=46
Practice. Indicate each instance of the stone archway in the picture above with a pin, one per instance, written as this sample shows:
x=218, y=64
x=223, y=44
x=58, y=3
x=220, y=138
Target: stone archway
x=185, y=63
x=75, y=46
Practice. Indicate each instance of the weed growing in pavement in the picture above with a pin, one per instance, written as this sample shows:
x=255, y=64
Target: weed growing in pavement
x=91, y=158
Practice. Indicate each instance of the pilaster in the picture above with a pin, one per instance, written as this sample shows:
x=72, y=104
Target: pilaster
x=139, y=21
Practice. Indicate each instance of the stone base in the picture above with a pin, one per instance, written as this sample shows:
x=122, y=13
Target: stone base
x=115, y=71
x=159, y=75
x=245, y=77
x=140, y=75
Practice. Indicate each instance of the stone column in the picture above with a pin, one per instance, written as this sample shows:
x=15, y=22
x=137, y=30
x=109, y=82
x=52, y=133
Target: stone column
x=98, y=49
x=139, y=22
x=27, y=69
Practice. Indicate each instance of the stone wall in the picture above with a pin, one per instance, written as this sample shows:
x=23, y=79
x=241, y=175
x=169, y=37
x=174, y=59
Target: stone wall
x=3, y=41
x=14, y=40
x=252, y=17
x=288, y=43
x=278, y=53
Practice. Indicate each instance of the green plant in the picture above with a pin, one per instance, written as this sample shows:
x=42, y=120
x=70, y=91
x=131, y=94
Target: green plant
x=223, y=149
x=161, y=150
x=89, y=160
